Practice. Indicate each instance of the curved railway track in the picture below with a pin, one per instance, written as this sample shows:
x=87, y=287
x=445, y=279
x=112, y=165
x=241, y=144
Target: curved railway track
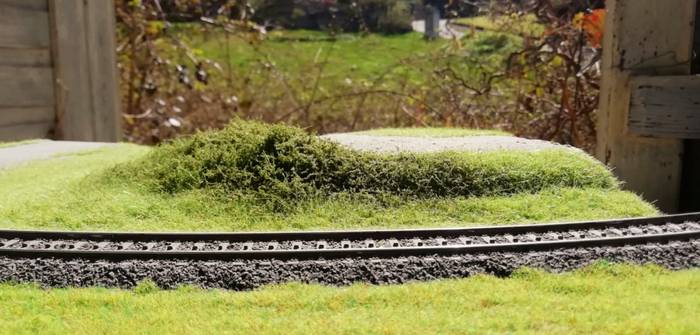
x=347, y=244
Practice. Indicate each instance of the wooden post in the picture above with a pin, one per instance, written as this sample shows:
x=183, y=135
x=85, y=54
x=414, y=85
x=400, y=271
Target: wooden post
x=653, y=38
x=690, y=184
x=84, y=59
x=432, y=22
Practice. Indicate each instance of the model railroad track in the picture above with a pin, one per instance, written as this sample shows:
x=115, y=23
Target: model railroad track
x=342, y=244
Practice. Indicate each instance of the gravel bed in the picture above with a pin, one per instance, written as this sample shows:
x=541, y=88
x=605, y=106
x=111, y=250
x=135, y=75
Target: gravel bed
x=246, y=275
x=396, y=144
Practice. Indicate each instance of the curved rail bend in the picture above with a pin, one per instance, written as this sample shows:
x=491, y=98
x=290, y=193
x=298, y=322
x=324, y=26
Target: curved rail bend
x=347, y=244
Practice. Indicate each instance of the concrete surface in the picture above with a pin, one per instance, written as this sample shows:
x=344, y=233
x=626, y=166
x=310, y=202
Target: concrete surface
x=396, y=144
x=447, y=30
x=42, y=149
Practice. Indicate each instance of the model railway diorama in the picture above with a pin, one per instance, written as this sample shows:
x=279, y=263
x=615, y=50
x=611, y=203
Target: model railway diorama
x=248, y=260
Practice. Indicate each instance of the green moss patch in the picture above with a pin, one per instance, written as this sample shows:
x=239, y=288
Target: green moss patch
x=285, y=163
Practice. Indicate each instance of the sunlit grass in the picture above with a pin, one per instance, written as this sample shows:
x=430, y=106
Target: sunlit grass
x=602, y=299
x=74, y=192
x=69, y=193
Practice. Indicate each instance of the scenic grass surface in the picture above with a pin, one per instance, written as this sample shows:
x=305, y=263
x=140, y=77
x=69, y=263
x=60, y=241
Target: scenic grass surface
x=601, y=299
x=82, y=192
x=110, y=189
x=432, y=132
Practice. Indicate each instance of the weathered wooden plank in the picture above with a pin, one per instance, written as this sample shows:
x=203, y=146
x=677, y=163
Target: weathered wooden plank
x=25, y=57
x=666, y=106
x=26, y=86
x=23, y=115
x=25, y=131
x=642, y=37
x=75, y=118
x=24, y=24
x=101, y=39
x=690, y=184
x=37, y=5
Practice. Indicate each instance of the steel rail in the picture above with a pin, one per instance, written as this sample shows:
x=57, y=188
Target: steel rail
x=8, y=249
x=347, y=234
x=353, y=252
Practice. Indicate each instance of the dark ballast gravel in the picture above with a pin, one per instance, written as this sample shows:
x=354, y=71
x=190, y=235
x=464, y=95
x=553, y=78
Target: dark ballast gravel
x=246, y=275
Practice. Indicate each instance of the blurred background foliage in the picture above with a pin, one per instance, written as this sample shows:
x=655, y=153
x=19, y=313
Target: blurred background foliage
x=528, y=66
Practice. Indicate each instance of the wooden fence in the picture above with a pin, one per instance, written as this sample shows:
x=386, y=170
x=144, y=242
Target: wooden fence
x=58, y=75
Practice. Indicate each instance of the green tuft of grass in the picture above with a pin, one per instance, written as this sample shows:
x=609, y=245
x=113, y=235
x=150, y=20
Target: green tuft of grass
x=284, y=164
x=432, y=132
x=602, y=299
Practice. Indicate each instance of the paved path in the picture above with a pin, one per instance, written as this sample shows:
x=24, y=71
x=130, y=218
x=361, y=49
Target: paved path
x=42, y=149
x=396, y=144
x=446, y=30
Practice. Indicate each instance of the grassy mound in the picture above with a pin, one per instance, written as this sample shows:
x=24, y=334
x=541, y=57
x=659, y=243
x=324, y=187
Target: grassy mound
x=215, y=181
x=285, y=163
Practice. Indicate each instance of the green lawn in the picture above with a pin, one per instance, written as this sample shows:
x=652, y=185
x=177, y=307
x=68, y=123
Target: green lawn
x=602, y=299
x=347, y=56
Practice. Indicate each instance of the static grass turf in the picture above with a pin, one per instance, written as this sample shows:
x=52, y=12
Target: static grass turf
x=609, y=299
x=81, y=191
x=432, y=132
x=71, y=192
x=283, y=165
